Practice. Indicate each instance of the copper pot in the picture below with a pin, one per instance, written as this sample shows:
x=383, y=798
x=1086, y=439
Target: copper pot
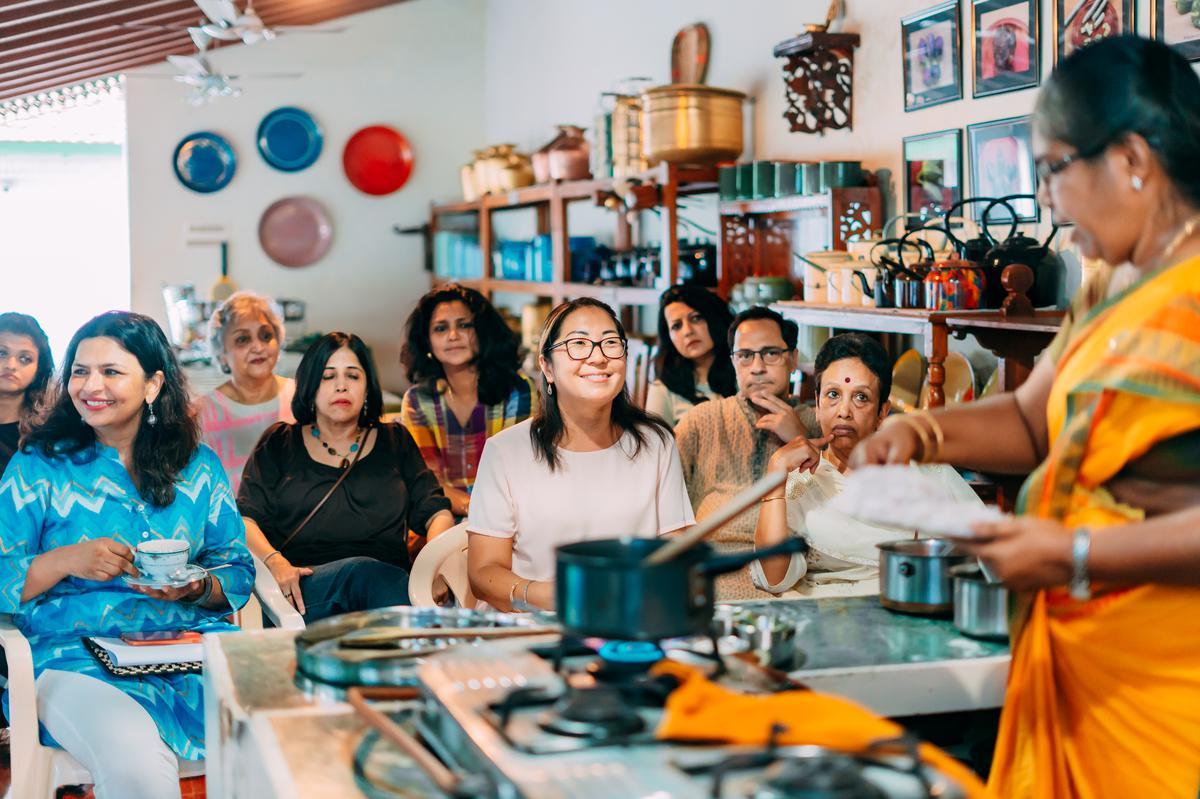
x=689, y=124
x=569, y=154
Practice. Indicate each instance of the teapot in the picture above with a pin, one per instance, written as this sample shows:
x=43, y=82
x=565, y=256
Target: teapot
x=909, y=284
x=888, y=268
x=1017, y=248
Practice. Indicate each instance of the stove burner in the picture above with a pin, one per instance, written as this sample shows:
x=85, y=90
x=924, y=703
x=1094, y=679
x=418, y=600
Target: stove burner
x=599, y=713
x=826, y=777
x=622, y=660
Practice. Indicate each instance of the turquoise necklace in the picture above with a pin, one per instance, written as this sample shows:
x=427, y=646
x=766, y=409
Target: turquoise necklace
x=345, y=458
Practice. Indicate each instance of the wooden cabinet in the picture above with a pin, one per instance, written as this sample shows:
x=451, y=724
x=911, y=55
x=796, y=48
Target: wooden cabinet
x=759, y=237
x=663, y=185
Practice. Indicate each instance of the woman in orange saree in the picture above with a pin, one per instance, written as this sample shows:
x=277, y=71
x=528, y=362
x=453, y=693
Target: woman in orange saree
x=1103, y=697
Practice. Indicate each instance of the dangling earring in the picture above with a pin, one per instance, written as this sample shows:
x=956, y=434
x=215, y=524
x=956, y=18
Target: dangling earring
x=1136, y=182
x=151, y=419
x=429, y=355
x=549, y=389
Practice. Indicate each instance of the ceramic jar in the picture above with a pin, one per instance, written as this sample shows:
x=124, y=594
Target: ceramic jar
x=569, y=155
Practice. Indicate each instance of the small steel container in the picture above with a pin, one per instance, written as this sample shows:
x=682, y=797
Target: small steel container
x=914, y=575
x=980, y=607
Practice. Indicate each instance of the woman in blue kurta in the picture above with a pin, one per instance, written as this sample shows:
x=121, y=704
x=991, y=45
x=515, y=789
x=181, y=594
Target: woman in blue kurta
x=118, y=462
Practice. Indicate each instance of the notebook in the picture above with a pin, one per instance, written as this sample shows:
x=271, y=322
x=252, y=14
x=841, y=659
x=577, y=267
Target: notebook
x=124, y=660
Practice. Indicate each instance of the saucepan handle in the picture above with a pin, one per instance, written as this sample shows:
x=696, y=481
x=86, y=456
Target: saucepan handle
x=723, y=564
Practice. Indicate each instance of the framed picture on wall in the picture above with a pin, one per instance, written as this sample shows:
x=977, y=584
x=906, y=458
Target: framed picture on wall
x=1004, y=43
x=1001, y=162
x=932, y=48
x=932, y=173
x=1080, y=22
x=1177, y=23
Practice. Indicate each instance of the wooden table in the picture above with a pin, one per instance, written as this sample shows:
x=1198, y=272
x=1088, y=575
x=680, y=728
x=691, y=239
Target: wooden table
x=1016, y=341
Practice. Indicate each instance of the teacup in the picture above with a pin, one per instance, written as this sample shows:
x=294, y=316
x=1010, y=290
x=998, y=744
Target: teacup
x=162, y=558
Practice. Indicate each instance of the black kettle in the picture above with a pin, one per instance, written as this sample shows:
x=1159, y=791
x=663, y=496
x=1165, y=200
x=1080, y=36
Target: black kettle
x=889, y=270
x=1049, y=273
x=909, y=283
x=976, y=249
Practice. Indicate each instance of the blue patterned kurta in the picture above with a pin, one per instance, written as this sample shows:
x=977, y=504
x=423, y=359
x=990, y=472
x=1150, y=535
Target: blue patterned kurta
x=52, y=502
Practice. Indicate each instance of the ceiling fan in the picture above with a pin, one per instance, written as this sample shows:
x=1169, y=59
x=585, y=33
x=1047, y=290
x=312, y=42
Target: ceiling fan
x=206, y=83
x=226, y=24
x=223, y=22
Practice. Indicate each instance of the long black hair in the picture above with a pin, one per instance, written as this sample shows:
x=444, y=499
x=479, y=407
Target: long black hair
x=497, y=362
x=677, y=372
x=1114, y=87
x=161, y=450
x=312, y=368
x=38, y=394
x=547, y=428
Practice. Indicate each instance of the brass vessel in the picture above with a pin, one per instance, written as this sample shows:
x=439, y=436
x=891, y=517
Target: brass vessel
x=691, y=124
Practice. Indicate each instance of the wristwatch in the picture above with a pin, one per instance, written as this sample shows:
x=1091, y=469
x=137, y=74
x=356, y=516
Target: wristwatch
x=1081, y=545
x=204, y=595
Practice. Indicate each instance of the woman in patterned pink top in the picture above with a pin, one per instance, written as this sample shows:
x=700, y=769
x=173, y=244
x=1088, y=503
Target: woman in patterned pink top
x=244, y=336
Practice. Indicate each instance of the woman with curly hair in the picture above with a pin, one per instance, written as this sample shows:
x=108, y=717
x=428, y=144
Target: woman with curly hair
x=463, y=363
x=118, y=462
x=25, y=368
x=693, y=356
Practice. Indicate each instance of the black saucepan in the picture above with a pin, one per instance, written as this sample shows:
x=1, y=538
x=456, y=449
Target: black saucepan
x=603, y=589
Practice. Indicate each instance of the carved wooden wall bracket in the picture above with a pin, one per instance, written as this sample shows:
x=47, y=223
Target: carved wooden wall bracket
x=819, y=80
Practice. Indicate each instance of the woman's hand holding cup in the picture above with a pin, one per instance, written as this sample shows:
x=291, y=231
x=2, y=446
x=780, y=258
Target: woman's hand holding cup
x=101, y=559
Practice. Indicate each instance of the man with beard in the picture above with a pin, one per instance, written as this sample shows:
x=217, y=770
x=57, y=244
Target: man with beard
x=725, y=444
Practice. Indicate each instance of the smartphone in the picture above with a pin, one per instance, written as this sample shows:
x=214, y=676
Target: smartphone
x=161, y=637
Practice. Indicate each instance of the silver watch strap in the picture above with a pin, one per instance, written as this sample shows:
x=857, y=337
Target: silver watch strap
x=1081, y=546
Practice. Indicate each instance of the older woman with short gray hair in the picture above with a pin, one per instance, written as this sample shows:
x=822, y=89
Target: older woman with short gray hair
x=244, y=336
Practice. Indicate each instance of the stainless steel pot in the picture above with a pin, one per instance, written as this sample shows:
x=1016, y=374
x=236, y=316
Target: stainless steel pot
x=914, y=576
x=691, y=124
x=980, y=607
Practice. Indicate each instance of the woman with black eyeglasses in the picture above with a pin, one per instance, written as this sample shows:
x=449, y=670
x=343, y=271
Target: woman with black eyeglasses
x=1103, y=556
x=589, y=464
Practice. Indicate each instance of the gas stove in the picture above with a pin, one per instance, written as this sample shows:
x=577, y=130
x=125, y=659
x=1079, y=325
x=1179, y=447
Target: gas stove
x=518, y=719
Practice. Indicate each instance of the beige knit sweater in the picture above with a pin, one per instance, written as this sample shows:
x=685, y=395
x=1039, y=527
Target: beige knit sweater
x=722, y=453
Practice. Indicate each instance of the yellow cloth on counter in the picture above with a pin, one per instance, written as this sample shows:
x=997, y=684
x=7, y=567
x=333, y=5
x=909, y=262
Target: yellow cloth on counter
x=700, y=710
x=1103, y=697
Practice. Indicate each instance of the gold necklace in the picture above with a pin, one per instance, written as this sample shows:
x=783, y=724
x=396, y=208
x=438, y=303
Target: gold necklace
x=1185, y=232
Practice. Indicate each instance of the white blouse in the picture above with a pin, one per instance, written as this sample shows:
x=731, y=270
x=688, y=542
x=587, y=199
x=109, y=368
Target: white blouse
x=670, y=406
x=603, y=494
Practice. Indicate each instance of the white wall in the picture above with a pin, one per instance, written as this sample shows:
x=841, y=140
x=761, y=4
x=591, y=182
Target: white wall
x=417, y=66
x=582, y=48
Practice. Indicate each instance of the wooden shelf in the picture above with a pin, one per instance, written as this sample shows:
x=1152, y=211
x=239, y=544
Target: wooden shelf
x=551, y=201
x=1016, y=341
x=775, y=205
x=688, y=180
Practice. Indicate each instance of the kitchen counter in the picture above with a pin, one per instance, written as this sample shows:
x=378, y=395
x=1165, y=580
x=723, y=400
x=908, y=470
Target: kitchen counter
x=267, y=738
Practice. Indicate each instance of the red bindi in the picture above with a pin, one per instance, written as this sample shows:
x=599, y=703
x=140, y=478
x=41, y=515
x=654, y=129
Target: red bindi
x=847, y=380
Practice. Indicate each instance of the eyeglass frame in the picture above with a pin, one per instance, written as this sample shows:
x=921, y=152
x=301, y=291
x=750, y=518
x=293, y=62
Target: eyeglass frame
x=563, y=345
x=1044, y=170
x=761, y=353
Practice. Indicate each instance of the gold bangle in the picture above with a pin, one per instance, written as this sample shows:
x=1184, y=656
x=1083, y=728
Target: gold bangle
x=938, y=434
x=922, y=433
x=512, y=592
x=772, y=499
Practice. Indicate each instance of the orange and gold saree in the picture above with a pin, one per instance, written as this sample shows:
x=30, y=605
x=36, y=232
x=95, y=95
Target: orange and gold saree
x=1103, y=697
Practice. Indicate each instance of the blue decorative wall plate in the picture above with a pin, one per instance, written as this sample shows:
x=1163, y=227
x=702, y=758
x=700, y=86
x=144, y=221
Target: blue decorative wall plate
x=204, y=162
x=289, y=139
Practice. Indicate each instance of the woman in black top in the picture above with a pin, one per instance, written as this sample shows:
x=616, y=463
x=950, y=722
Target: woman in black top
x=25, y=369
x=352, y=553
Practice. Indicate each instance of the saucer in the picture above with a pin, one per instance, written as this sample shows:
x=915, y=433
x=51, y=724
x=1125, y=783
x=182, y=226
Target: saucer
x=185, y=575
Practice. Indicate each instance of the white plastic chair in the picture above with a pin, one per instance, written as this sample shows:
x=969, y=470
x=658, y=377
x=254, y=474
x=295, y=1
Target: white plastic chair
x=445, y=555
x=38, y=771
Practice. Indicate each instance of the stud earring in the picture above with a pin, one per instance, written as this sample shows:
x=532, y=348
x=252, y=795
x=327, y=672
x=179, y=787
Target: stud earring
x=1136, y=182
x=151, y=419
